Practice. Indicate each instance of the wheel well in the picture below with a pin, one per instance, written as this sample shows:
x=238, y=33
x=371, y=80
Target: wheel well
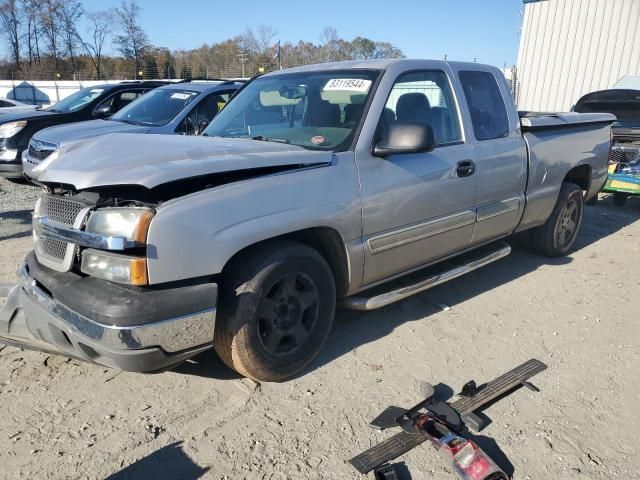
x=581, y=176
x=325, y=241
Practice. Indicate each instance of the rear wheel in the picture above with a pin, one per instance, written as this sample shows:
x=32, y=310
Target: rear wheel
x=556, y=237
x=620, y=198
x=276, y=311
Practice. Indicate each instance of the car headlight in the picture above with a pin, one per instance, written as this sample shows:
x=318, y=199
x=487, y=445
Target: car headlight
x=8, y=130
x=131, y=223
x=115, y=267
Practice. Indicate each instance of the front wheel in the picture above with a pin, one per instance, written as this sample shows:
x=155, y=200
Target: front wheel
x=556, y=237
x=276, y=312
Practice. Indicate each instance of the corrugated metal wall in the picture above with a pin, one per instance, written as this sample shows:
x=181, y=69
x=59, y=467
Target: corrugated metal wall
x=572, y=47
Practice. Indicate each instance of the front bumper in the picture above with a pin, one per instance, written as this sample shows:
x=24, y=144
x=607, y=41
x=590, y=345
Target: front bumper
x=34, y=318
x=10, y=159
x=10, y=170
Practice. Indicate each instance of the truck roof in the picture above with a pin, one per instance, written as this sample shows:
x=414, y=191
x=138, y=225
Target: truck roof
x=379, y=64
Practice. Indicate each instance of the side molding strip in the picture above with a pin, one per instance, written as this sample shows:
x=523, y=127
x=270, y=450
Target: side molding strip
x=415, y=233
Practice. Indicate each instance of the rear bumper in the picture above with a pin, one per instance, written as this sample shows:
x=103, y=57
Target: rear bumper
x=33, y=318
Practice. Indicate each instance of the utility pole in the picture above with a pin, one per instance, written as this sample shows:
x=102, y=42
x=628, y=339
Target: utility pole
x=243, y=58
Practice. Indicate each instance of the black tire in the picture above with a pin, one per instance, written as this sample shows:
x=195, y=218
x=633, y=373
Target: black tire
x=620, y=198
x=556, y=237
x=276, y=310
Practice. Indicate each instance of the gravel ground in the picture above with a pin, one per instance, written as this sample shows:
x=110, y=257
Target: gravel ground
x=16, y=204
x=64, y=419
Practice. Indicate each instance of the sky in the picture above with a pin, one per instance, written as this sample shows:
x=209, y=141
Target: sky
x=486, y=30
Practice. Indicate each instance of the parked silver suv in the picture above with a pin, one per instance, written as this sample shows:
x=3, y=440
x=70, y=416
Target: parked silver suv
x=184, y=108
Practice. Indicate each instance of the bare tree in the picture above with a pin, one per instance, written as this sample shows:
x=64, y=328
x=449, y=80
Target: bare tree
x=31, y=14
x=329, y=35
x=70, y=13
x=260, y=40
x=10, y=28
x=133, y=41
x=100, y=26
x=50, y=23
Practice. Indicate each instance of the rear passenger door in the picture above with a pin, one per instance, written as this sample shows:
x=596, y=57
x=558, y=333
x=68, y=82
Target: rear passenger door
x=499, y=151
x=418, y=208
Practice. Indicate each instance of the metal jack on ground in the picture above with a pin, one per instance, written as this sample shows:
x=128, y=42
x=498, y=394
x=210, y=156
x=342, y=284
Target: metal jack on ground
x=446, y=426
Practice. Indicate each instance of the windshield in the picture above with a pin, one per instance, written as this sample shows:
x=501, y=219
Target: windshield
x=76, y=101
x=156, y=108
x=624, y=104
x=315, y=110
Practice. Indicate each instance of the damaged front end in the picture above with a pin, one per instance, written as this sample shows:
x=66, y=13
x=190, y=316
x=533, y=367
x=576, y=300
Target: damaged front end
x=83, y=292
x=37, y=315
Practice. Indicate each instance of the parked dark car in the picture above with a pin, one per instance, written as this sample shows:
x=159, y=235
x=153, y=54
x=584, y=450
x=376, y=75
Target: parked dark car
x=624, y=159
x=100, y=101
x=184, y=108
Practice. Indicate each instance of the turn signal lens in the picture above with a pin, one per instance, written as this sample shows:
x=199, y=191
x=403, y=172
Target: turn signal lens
x=114, y=267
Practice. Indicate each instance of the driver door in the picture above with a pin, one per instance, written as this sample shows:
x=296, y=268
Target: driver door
x=418, y=208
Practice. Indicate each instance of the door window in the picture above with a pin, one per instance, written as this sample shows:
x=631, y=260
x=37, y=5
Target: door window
x=424, y=97
x=120, y=100
x=486, y=105
x=199, y=118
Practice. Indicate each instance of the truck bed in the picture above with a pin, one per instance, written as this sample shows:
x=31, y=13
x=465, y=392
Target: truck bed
x=552, y=140
x=540, y=120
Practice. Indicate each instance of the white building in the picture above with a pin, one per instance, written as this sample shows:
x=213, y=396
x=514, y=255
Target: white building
x=572, y=47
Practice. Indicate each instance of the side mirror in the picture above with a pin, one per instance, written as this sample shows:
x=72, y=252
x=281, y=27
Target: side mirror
x=406, y=137
x=103, y=110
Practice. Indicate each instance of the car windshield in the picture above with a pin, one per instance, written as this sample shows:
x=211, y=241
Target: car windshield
x=76, y=101
x=315, y=110
x=156, y=108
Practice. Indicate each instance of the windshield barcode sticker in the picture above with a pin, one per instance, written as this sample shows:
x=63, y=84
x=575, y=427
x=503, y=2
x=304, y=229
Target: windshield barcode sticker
x=181, y=96
x=348, y=84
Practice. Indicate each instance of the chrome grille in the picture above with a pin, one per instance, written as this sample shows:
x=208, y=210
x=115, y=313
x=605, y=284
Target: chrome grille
x=624, y=154
x=39, y=150
x=63, y=210
x=37, y=155
x=60, y=209
x=53, y=248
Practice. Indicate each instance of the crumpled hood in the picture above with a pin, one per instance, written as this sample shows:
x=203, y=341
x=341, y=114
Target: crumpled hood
x=81, y=130
x=152, y=160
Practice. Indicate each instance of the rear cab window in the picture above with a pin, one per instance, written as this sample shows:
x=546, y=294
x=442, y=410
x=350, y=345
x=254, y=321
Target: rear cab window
x=486, y=105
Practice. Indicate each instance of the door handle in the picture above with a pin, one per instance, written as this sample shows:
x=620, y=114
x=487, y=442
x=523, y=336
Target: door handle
x=466, y=168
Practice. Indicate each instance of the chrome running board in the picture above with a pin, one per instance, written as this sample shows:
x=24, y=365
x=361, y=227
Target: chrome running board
x=471, y=261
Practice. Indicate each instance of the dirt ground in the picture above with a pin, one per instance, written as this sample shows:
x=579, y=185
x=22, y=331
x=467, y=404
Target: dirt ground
x=65, y=419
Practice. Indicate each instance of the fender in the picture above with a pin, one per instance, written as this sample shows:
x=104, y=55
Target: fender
x=196, y=235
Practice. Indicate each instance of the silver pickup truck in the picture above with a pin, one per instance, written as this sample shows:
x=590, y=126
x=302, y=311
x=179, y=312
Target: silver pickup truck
x=356, y=183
